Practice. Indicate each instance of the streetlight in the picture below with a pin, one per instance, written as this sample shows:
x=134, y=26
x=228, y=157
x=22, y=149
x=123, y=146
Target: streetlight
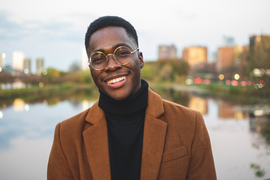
x=221, y=77
x=236, y=76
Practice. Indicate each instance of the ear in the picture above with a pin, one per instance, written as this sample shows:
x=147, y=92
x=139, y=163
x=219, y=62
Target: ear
x=140, y=56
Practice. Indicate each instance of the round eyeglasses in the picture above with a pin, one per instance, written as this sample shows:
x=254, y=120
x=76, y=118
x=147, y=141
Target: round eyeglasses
x=99, y=61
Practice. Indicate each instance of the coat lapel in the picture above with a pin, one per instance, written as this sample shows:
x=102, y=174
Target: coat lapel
x=154, y=138
x=97, y=148
x=96, y=144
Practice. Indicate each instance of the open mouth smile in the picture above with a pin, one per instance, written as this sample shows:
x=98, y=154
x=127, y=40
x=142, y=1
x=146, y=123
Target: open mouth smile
x=116, y=80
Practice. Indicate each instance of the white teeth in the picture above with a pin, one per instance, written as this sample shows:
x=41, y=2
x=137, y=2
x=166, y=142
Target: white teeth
x=116, y=80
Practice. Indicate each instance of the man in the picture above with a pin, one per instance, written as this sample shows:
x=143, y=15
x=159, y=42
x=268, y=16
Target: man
x=130, y=133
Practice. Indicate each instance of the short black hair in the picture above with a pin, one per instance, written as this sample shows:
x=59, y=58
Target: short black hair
x=107, y=21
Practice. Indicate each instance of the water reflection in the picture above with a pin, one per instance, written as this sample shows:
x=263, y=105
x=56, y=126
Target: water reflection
x=240, y=138
x=18, y=104
x=199, y=104
x=240, y=133
x=227, y=110
x=260, y=126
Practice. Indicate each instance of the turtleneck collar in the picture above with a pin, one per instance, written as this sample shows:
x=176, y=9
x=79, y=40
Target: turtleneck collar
x=126, y=106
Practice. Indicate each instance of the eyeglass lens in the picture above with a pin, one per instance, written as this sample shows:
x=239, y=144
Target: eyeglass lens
x=121, y=55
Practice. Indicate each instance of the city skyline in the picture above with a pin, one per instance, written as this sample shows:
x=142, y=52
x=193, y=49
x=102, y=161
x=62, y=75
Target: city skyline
x=197, y=54
x=58, y=36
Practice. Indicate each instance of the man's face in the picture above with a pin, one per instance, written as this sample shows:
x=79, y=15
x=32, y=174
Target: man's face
x=117, y=81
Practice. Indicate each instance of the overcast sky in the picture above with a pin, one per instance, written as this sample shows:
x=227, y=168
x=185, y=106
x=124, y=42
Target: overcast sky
x=55, y=29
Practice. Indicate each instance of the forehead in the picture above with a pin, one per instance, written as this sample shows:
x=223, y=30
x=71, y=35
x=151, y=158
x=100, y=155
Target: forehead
x=108, y=37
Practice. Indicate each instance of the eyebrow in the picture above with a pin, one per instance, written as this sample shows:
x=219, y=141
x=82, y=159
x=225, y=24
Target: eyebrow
x=114, y=47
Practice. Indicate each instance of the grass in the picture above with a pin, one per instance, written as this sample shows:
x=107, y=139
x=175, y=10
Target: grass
x=41, y=91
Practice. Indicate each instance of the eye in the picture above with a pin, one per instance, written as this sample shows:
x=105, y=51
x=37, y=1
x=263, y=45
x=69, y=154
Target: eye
x=123, y=51
x=98, y=58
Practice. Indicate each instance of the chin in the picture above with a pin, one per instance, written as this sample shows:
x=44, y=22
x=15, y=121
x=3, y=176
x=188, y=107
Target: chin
x=118, y=96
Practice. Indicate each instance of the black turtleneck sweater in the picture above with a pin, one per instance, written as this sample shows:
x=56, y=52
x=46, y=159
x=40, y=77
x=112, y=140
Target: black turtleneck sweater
x=125, y=120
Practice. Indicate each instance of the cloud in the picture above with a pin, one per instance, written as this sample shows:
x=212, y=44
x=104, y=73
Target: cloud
x=8, y=28
x=58, y=40
x=50, y=30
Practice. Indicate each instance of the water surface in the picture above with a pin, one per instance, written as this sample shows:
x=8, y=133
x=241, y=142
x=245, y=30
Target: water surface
x=26, y=133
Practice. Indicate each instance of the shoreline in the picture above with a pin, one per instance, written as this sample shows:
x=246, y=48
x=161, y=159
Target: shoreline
x=212, y=89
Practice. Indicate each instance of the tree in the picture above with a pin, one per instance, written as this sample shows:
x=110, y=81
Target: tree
x=51, y=75
x=74, y=67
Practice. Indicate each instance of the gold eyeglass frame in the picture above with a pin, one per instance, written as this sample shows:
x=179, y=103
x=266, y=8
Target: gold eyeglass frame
x=107, y=57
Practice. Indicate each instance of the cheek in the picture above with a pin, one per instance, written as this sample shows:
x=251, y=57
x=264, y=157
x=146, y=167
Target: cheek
x=136, y=64
x=138, y=67
x=94, y=76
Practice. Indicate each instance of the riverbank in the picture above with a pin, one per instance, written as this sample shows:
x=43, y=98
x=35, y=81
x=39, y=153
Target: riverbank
x=231, y=92
x=244, y=94
x=65, y=88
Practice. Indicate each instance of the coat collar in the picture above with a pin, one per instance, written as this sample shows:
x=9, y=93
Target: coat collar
x=96, y=140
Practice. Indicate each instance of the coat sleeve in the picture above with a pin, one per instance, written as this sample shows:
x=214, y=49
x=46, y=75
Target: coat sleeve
x=201, y=163
x=58, y=167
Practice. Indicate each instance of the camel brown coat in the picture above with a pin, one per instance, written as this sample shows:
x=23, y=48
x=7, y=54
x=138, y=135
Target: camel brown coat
x=176, y=145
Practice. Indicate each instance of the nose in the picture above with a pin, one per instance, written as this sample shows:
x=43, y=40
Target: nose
x=112, y=63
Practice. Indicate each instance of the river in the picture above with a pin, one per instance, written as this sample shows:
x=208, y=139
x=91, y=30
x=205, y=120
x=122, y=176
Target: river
x=240, y=147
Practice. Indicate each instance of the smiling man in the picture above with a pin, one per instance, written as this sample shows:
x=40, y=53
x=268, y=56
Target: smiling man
x=130, y=133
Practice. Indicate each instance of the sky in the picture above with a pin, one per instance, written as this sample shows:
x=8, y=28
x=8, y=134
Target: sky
x=54, y=29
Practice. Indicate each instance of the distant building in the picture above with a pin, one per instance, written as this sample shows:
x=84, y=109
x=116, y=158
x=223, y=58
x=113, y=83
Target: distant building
x=227, y=55
x=2, y=60
x=39, y=65
x=27, y=66
x=17, y=60
x=167, y=52
x=228, y=41
x=18, y=84
x=195, y=55
x=84, y=59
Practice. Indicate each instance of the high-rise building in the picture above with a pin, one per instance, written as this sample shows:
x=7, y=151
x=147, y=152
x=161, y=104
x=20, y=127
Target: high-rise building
x=2, y=60
x=167, y=52
x=84, y=59
x=227, y=55
x=17, y=60
x=27, y=66
x=195, y=55
x=39, y=65
x=228, y=41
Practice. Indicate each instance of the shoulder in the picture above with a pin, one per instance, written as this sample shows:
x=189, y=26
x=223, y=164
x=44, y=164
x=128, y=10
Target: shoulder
x=75, y=120
x=75, y=123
